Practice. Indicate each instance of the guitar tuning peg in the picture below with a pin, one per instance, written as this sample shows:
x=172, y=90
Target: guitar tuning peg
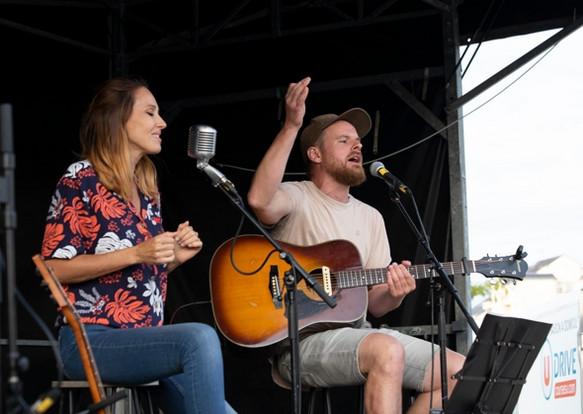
x=520, y=254
x=503, y=282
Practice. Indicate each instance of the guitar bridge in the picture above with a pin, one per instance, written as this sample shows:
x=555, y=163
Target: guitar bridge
x=326, y=280
x=275, y=287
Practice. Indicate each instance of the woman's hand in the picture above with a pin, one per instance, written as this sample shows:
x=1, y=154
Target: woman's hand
x=187, y=244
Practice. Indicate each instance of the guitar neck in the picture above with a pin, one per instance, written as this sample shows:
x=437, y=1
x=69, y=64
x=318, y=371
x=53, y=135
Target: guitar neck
x=60, y=297
x=370, y=277
x=425, y=271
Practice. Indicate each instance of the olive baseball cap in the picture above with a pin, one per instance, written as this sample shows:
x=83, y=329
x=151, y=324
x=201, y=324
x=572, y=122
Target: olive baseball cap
x=358, y=117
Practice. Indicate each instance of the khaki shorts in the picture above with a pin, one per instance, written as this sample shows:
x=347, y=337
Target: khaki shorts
x=330, y=358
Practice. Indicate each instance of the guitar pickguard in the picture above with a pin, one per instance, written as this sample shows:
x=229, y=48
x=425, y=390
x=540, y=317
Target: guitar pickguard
x=307, y=307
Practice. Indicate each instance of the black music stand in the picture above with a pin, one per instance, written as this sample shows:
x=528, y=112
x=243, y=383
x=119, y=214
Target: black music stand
x=496, y=366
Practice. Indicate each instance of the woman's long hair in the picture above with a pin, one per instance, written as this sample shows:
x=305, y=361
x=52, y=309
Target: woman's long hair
x=104, y=141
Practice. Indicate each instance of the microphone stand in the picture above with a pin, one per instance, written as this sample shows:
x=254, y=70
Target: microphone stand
x=292, y=276
x=438, y=267
x=7, y=199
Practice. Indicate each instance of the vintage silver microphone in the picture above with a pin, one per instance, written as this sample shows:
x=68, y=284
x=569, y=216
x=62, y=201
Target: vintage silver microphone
x=202, y=141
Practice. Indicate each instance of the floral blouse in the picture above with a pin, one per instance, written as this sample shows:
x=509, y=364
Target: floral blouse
x=87, y=218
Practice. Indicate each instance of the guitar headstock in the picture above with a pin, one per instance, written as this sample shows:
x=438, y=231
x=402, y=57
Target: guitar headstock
x=508, y=267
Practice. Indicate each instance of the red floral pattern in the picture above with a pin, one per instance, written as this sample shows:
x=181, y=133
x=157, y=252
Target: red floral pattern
x=87, y=218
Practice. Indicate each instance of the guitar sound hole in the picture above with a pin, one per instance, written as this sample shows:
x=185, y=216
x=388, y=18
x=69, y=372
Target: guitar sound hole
x=318, y=277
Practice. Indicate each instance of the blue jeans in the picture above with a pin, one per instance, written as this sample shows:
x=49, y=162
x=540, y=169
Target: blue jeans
x=185, y=358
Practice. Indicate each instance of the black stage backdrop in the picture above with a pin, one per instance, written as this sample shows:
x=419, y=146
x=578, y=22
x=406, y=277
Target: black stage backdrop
x=237, y=89
x=45, y=135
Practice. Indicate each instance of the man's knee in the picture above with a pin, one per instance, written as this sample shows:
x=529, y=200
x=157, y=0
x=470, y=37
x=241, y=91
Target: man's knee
x=455, y=362
x=380, y=351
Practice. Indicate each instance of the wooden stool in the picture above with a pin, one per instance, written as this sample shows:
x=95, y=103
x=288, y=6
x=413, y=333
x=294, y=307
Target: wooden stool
x=76, y=397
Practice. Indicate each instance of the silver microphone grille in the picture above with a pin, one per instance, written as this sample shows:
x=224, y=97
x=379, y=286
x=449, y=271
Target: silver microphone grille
x=202, y=141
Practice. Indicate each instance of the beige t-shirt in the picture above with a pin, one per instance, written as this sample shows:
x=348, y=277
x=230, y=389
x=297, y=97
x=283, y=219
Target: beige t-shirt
x=317, y=218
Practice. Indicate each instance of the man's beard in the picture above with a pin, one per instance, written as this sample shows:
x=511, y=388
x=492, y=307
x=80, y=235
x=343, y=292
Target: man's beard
x=347, y=176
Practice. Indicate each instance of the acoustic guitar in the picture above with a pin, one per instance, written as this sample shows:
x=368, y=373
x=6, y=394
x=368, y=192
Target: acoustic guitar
x=247, y=285
x=60, y=297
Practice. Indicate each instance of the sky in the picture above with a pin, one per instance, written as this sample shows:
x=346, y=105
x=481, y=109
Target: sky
x=524, y=150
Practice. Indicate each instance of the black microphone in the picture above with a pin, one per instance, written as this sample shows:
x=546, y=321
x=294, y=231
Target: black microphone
x=202, y=140
x=106, y=402
x=45, y=401
x=378, y=170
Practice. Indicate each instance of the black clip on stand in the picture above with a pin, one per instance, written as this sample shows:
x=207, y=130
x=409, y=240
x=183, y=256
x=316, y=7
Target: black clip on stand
x=423, y=239
x=291, y=278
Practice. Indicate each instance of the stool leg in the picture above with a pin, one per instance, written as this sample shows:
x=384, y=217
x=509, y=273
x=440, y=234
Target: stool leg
x=361, y=399
x=121, y=405
x=133, y=401
x=69, y=402
x=312, y=400
x=70, y=399
x=151, y=409
x=327, y=400
x=137, y=404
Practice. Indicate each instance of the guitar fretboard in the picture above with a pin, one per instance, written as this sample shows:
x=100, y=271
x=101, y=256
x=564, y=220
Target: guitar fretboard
x=369, y=277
